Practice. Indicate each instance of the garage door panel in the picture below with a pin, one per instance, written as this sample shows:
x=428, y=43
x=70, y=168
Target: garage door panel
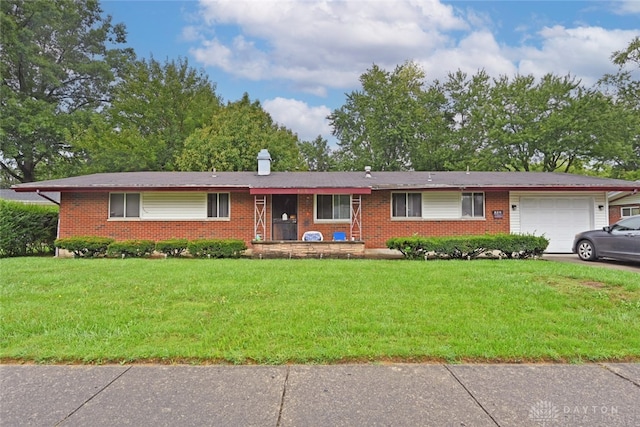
x=572, y=204
x=557, y=218
x=529, y=203
x=549, y=204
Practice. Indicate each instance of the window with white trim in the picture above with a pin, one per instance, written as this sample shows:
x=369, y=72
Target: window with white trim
x=124, y=205
x=629, y=211
x=473, y=205
x=218, y=205
x=333, y=207
x=406, y=205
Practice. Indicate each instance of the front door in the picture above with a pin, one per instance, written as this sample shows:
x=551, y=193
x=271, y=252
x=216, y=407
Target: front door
x=284, y=214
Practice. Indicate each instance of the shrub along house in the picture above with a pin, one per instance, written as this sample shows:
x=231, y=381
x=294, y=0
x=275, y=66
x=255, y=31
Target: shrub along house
x=279, y=211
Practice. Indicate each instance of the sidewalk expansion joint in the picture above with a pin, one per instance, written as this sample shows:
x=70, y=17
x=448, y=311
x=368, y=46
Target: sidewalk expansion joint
x=284, y=393
x=618, y=374
x=471, y=395
x=93, y=396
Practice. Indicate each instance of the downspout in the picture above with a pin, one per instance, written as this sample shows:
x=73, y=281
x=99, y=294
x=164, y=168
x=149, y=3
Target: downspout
x=47, y=197
x=58, y=226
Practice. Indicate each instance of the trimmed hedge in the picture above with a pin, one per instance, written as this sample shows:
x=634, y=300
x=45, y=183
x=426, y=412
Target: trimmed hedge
x=131, y=248
x=217, y=248
x=27, y=229
x=470, y=247
x=91, y=247
x=173, y=248
x=85, y=246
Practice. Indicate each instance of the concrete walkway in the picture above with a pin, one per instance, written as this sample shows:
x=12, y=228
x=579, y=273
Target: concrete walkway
x=334, y=395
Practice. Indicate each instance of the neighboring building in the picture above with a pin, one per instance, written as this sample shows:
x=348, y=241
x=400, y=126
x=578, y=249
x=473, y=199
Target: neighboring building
x=623, y=204
x=368, y=207
x=30, y=198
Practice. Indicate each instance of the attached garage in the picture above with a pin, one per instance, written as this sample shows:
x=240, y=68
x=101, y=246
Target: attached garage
x=557, y=217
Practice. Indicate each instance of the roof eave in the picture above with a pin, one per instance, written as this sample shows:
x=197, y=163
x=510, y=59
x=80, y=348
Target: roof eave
x=34, y=187
x=550, y=188
x=130, y=188
x=515, y=187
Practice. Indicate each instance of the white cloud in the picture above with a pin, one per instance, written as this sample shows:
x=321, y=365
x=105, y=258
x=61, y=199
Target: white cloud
x=479, y=50
x=584, y=52
x=627, y=7
x=319, y=44
x=190, y=34
x=308, y=122
x=240, y=58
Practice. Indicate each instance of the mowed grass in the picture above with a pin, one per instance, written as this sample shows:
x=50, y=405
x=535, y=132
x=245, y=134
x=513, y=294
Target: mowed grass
x=314, y=311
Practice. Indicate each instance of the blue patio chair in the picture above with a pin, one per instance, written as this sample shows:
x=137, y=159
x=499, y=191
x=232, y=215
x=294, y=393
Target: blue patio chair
x=339, y=236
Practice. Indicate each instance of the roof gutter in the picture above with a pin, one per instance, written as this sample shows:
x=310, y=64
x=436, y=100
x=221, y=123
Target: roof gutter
x=538, y=188
x=47, y=197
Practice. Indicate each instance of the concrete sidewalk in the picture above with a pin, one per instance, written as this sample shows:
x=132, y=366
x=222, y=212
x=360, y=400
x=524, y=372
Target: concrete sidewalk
x=334, y=395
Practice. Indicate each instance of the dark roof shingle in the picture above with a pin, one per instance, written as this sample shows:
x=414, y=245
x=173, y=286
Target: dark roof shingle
x=168, y=181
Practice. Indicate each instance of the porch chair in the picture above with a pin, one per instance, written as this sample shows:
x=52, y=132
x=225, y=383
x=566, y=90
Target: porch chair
x=339, y=236
x=312, y=236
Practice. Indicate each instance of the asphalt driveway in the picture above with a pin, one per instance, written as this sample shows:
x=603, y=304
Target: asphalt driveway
x=604, y=263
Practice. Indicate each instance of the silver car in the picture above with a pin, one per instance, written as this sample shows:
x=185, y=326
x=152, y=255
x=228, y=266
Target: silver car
x=619, y=241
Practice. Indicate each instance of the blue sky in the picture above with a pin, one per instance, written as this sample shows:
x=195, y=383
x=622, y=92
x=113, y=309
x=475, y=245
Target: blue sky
x=300, y=57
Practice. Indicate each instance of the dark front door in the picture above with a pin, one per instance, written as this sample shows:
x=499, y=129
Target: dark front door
x=284, y=214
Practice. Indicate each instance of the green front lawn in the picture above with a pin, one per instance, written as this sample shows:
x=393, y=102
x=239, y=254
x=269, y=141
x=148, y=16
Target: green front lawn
x=315, y=311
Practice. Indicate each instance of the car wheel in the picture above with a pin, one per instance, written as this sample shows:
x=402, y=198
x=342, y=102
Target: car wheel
x=586, y=251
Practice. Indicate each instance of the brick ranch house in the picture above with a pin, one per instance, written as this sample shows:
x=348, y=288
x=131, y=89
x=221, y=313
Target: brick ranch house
x=362, y=208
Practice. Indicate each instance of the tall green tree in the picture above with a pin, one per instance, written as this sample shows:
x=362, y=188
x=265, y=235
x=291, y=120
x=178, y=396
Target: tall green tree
x=550, y=125
x=233, y=137
x=317, y=154
x=623, y=88
x=466, y=100
x=629, y=55
x=104, y=148
x=432, y=148
x=154, y=108
x=392, y=123
x=55, y=65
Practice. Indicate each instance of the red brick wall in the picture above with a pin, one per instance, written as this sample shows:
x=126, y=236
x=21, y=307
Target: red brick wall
x=377, y=226
x=84, y=214
x=615, y=212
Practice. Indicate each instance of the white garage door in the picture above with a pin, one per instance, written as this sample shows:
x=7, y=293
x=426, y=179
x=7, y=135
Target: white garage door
x=559, y=219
